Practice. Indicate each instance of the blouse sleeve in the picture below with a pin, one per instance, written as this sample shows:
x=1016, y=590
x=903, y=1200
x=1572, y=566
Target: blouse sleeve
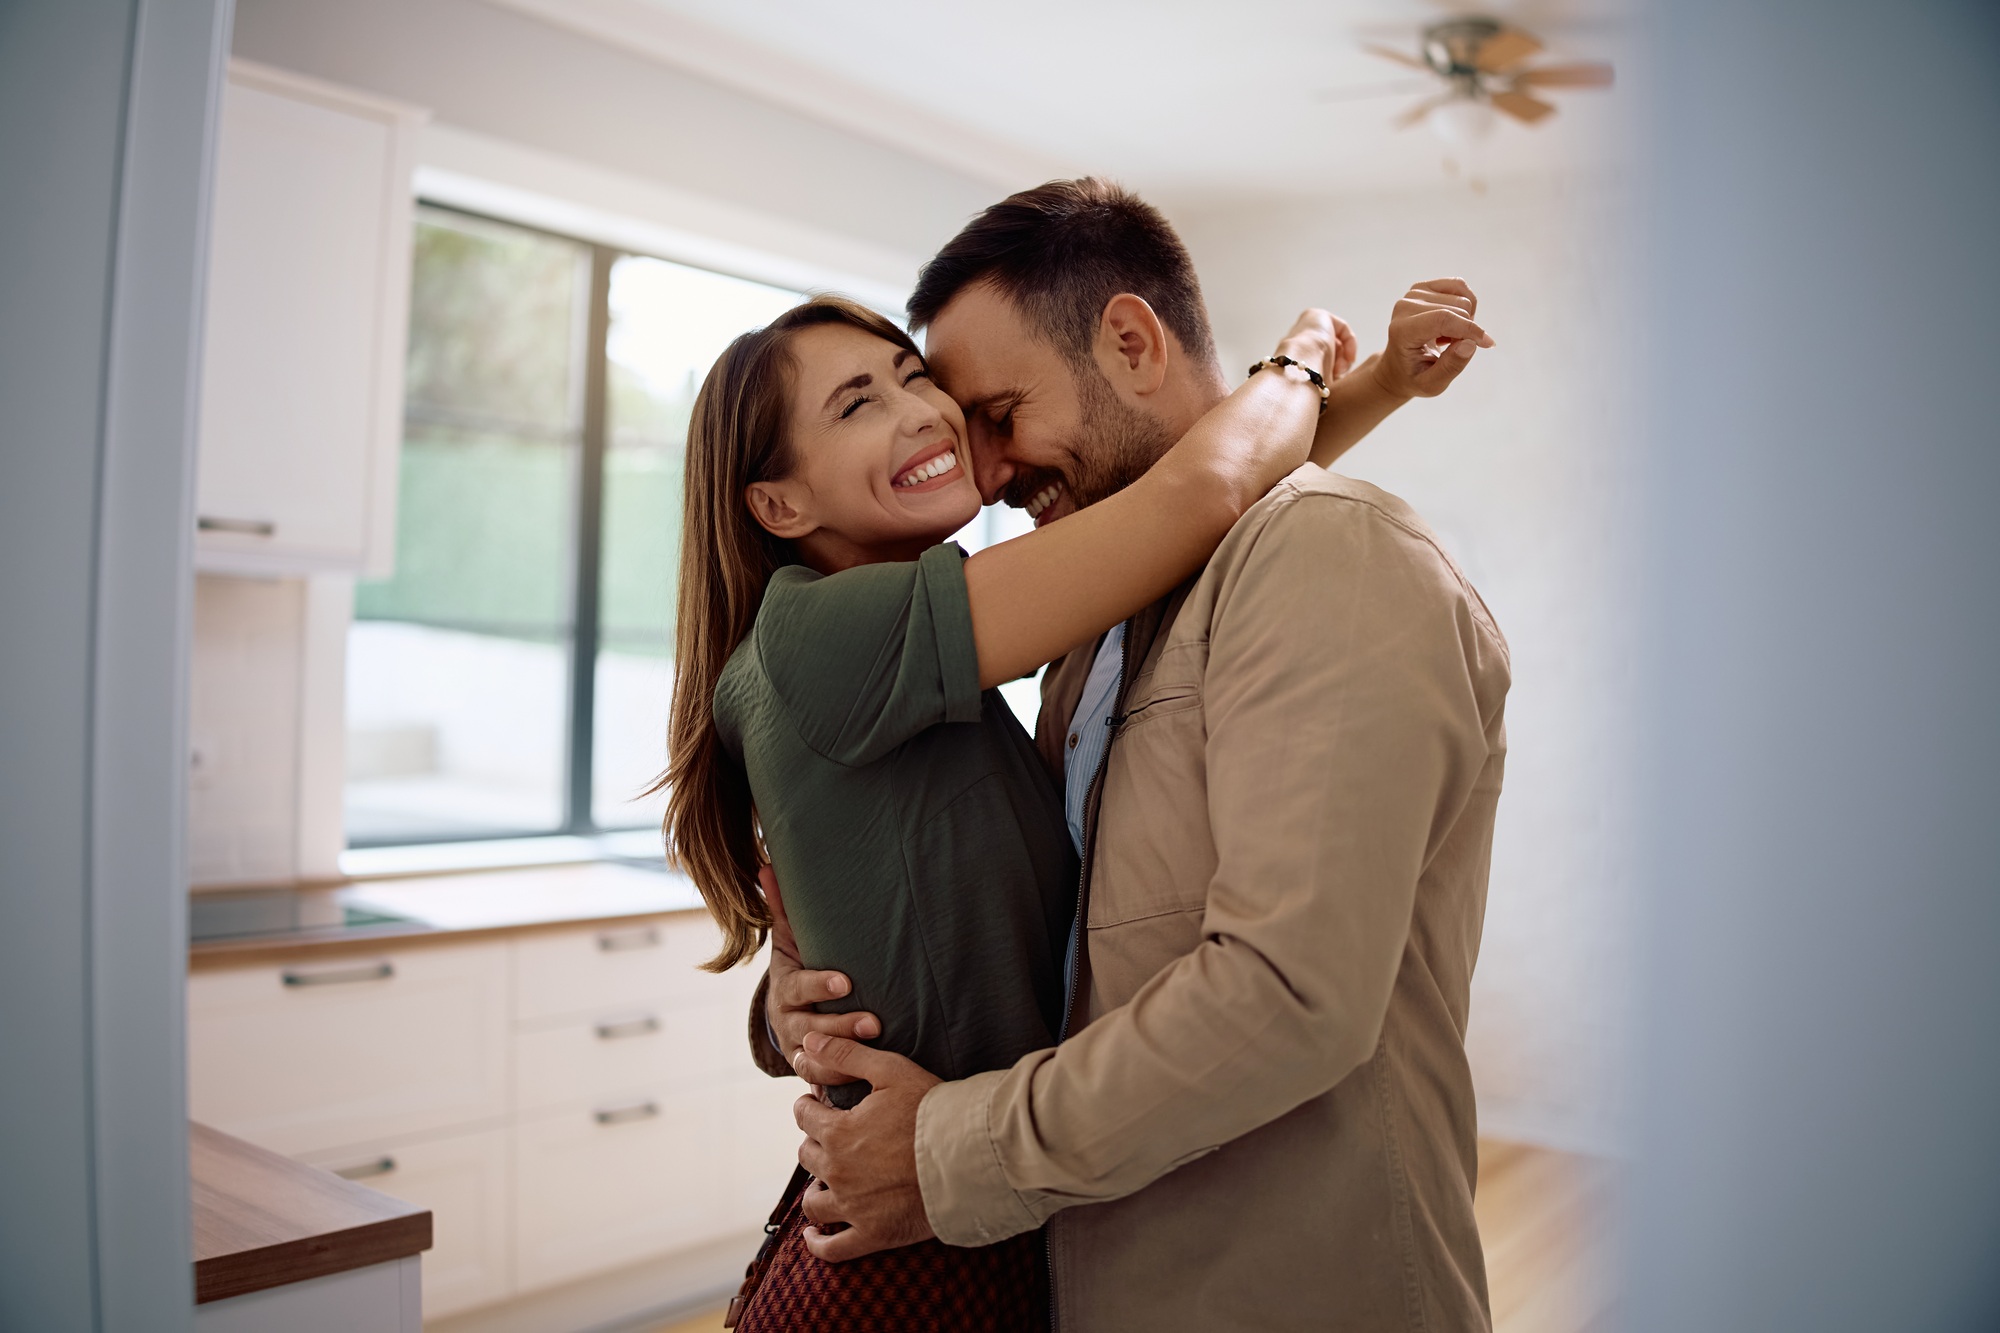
x=865, y=659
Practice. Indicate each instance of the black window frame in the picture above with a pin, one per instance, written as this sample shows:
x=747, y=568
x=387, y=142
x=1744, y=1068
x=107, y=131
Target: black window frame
x=585, y=544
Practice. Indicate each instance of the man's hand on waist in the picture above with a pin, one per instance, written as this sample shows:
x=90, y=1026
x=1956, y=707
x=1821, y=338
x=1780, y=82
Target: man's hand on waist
x=864, y=1196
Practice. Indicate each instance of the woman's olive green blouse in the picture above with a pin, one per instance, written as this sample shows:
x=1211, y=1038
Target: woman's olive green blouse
x=916, y=834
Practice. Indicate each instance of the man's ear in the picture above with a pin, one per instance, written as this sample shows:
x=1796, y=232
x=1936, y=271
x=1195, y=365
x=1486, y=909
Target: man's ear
x=1131, y=346
x=778, y=507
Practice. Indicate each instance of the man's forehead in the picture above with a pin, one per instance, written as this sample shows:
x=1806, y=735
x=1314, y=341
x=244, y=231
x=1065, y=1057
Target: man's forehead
x=980, y=344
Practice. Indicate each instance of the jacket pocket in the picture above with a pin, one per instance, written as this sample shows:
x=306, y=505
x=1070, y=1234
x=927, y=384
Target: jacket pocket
x=1155, y=851
x=1163, y=702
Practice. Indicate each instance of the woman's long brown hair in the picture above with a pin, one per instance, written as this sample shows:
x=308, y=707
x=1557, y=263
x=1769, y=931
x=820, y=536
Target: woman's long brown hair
x=739, y=434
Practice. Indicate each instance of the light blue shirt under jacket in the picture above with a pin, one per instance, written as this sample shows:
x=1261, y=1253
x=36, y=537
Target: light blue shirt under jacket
x=1090, y=731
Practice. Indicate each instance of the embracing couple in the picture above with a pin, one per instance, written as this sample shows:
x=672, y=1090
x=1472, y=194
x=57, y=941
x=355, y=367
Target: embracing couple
x=1154, y=1021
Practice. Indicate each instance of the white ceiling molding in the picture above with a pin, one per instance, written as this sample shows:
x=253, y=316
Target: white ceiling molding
x=721, y=57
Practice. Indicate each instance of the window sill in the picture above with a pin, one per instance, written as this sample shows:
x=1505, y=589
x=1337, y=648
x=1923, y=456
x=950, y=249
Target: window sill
x=435, y=858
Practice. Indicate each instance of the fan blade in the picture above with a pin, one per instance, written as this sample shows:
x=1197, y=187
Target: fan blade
x=1522, y=107
x=1391, y=53
x=1401, y=87
x=1504, y=50
x=1415, y=115
x=1593, y=74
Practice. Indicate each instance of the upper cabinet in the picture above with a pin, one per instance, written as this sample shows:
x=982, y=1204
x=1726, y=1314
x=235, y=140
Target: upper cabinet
x=308, y=300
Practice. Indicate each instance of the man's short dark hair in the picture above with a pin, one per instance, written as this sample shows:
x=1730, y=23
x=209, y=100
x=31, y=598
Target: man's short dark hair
x=1061, y=251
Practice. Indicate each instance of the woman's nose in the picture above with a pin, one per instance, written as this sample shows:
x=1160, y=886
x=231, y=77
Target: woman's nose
x=919, y=414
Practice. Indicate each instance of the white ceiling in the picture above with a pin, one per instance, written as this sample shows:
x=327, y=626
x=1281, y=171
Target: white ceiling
x=1195, y=101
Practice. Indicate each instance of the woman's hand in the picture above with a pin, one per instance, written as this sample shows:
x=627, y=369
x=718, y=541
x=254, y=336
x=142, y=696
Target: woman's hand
x=1432, y=335
x=1322, y=340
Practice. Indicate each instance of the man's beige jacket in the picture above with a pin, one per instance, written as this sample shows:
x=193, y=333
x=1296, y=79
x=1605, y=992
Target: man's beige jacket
x=1266, y=1120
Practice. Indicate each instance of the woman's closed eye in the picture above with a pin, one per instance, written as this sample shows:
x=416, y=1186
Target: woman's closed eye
x=862, y=399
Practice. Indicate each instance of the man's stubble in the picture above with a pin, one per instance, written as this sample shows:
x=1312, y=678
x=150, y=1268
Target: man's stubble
x=1113, y=446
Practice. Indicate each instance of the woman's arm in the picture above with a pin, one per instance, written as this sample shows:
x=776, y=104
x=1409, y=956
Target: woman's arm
x=1038, y=596
x=1431, y=339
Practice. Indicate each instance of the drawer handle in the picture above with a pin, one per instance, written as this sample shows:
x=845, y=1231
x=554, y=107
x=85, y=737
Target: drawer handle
x=338, y=976
x=628, y=1027
x=620, y=1115
x=619, y=941
x=381, y=1166
x=249, y=527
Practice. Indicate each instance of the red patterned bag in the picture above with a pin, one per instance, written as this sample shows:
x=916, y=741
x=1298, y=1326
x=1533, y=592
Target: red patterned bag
x=932, y=1287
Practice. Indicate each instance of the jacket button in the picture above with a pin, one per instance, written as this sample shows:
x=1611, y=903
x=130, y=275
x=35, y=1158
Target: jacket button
x=1072, y=740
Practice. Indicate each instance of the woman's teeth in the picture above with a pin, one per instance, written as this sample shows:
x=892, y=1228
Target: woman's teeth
x=937, y=467
x=1042, y=500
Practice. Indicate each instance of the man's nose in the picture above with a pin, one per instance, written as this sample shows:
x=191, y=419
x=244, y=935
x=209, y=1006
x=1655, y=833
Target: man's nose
x=991, y=470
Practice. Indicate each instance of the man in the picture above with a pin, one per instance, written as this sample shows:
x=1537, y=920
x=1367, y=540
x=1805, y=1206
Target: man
x=1282, y=781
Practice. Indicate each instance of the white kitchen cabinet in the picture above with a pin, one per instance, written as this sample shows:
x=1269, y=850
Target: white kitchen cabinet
x=565, y=1101
x=463, y=1180
x=353, y=1049
x=757, y=1147
x=381, y=1298
x=307, y=313
x=571, y=972
x=606, y=1185
x=615, y=1051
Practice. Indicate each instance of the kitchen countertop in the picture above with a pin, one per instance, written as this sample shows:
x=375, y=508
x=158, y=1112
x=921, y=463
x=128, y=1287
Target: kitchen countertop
x=261, y=1220
x=253, y=925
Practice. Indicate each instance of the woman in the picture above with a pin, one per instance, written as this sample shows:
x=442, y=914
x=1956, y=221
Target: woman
x=834, y=710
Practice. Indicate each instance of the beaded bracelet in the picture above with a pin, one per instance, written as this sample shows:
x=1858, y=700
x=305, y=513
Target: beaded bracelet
x=1318, y=380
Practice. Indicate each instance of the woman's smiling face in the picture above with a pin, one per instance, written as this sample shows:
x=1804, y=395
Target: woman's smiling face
x=879, y=454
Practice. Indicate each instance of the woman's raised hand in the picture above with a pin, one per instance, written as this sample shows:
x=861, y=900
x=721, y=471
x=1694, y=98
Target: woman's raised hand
x=1322, y=340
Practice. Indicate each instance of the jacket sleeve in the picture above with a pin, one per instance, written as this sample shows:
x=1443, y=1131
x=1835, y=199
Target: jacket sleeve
x=1344, y=732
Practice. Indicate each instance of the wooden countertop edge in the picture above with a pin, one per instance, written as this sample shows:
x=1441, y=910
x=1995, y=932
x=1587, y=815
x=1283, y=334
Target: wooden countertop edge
x=366, y=939
x=262, y=1220
x=280, y=1265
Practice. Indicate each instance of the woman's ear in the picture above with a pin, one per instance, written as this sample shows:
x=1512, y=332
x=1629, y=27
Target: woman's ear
x=778, y=507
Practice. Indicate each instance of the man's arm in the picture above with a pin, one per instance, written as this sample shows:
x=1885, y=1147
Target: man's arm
x=1431, y=340
x=1343, y=736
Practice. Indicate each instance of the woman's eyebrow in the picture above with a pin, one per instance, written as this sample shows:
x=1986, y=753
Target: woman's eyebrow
x=861, y=381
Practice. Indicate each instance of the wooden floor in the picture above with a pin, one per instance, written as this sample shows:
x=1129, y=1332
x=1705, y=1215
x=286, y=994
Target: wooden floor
x=1545, y=1218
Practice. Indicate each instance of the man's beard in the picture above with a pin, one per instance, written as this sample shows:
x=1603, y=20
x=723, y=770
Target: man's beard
x=1114, y=445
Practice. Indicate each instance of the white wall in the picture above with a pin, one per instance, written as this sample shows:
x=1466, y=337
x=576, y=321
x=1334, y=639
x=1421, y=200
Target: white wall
x=1523, y=470
x=243, y=730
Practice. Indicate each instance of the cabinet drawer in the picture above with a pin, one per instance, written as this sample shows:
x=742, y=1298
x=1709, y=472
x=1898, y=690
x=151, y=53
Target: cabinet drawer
x=758, y=1148
x=463, y=1181
x=601, y=968
x=615, y=1183
x=350, y=1050
x=614, y=1052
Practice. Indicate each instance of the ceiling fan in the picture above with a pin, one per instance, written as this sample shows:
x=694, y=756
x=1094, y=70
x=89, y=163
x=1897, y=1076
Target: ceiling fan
x=1483, y=64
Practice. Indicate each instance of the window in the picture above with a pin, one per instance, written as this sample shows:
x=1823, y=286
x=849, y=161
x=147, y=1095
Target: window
x=512, y=678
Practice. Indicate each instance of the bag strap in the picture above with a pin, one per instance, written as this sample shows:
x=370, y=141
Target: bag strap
x=753, y=1276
